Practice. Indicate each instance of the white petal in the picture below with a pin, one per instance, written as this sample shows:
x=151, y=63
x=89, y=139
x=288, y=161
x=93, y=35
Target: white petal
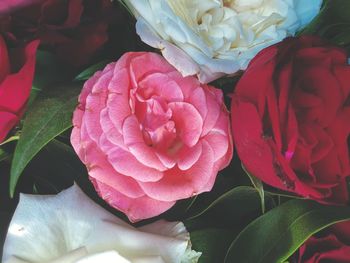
x=307, y=10
x=151, y=259
x=175, y=56
x=209, y=39
x=15, y=260
x=71, y=257
x=105, y=257
x=69, y=226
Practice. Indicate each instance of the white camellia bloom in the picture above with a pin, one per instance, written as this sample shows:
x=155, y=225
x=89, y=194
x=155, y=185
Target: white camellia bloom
x=70, y=228
x=212, y=38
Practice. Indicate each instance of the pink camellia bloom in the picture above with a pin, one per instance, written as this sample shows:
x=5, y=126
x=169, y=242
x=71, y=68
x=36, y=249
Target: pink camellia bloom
x=149, y=136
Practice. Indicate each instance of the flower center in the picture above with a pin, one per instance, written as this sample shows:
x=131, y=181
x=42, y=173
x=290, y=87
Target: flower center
x=231, y=24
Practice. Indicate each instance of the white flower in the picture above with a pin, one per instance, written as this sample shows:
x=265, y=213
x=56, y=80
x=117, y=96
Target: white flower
x=70, y=228
x=212, y=38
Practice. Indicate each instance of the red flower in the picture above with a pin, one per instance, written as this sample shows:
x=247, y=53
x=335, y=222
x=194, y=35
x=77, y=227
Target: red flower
x=332, y=245
x=74, y=29
x=290, y=118
x=16, y=77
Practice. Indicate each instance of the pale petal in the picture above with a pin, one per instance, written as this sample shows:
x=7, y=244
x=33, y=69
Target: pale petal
x=148, y=260
x=174, y=55
x=70, y=227
x=105, y=257
x=210, y=39
x=306, y=10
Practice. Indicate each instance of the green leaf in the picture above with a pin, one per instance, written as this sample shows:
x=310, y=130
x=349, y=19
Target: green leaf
x=214, y=228
x=228, y=211
x=276, y=235
x=212, y=242
x=124, y=3
x=318, y=21
x=48, y=70
x=90, y=71
x=3, y=155
x=258, y=185
x=50, y=115
x=11, y=139
x=332, y=23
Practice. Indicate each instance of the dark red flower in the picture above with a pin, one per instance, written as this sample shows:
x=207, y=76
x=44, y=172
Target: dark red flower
x=74, y=29
x=8, y=6
x=332, y=245
x=16, y=77
x=290, y=118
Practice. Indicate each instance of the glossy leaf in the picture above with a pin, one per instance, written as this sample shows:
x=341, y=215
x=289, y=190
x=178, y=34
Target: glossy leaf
x=276, y=235
x=228, y=211
x=212, y=242
x=87, y=73
x=48, y=70
x=258, y=185
x=3, y=155
x=49, y=116
x=11, y=139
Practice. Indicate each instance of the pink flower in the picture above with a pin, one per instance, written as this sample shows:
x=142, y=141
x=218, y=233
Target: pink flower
x=149, y=136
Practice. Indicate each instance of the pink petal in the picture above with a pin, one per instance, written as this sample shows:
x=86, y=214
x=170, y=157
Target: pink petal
x=168, y=161
x=198, y=100
x=146, y=64
x=89, y=84
x=111, y=134
x=219, y=143
x=188, y=121
x=161, y=85
x=94, y=104
x=126, y=164
x=189, y=156
x=177, y=184
x=107, y=146
x=124, y=61
x=135, y=208
x=134, y=140
x=214, y=108
x=100, y=169
x=187, y=84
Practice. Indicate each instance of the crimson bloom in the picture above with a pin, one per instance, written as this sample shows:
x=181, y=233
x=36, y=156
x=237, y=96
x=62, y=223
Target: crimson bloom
x=74, y=29
x=290, y=118
x=16, y=77
x=331, y=245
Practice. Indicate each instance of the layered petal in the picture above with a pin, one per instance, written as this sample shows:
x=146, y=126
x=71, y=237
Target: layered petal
x=288, y=118
x=213, y=38
x=69, y=227
x=149, y=136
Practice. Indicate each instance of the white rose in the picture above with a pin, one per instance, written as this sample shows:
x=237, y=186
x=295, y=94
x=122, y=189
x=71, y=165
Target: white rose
x=70, y=228
x=212, y=38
